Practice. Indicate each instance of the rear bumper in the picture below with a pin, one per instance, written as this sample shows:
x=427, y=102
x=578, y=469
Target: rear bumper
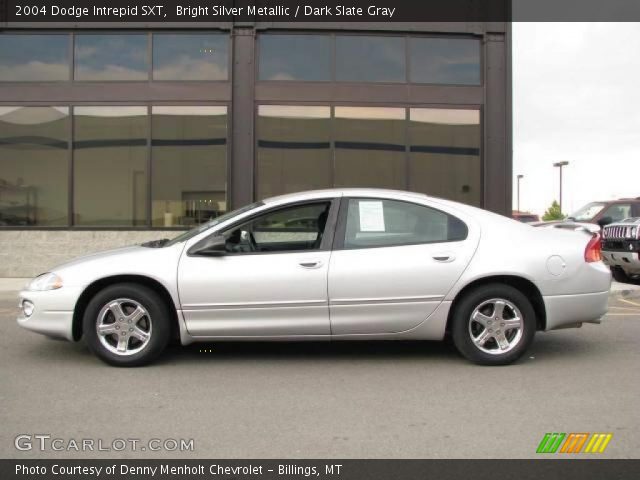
x=571, y=310
x=628, y=261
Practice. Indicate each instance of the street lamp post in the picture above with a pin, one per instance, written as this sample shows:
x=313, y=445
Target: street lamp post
x=560, y=165
x=519, y=177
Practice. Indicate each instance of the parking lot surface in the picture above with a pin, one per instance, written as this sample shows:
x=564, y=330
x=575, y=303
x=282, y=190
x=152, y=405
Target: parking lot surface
x=319, y=400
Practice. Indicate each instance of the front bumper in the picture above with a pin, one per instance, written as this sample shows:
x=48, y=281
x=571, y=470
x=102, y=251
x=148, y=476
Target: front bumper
x=52, y=312
x=629, y=261
x=572, y=310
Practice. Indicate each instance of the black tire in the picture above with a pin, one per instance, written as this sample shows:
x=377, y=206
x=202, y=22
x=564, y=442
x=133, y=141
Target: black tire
x=461, y=320
x=619, y=275
x=159, y=325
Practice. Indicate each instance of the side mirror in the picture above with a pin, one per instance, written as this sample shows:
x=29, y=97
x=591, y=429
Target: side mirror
x=605, y=221
x=213, y=246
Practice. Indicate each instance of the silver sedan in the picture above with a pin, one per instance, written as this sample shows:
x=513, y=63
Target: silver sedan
x=351, y=264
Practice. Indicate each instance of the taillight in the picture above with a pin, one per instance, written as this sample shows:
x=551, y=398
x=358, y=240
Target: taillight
x=593, y=252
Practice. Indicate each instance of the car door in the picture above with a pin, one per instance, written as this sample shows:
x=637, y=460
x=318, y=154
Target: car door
x=393, y=263
x=271, y=281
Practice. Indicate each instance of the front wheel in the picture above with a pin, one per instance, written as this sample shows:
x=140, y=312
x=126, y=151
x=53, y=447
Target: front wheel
x=126, y=325
x=619, y=275
x=493, y=324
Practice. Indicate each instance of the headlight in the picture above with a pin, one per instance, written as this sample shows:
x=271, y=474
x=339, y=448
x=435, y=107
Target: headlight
x=46, y=281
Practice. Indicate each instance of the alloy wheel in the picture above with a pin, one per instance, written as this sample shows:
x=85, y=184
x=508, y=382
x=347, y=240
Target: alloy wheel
x=124, y=326
x=496, y=326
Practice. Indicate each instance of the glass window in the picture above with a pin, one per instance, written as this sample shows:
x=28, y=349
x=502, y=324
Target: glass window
x=34, y=166
x=445, y=154
x=445, y=60
x=111, y=57
x=362, y=58
x=370, y=147
x=183, y=237
x=385, y=223
x=618, y=212
x=34, y=58
x=294, y=149
x=110, y=166
x=295, y=57
x=290, y=229
x=587, y=213
x=189, y=172
x=190, y=57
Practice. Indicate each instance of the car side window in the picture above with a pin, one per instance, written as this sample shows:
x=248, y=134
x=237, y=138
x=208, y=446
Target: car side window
x=383, y=223
x=618, y=212
x=299, y=227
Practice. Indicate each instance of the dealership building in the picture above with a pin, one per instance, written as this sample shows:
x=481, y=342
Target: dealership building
x=116, y=135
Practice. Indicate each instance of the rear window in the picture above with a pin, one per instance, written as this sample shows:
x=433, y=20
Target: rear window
x=385, y=223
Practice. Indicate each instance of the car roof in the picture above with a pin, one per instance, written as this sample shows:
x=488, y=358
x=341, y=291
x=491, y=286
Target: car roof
x=348, y=192
x=436, y=202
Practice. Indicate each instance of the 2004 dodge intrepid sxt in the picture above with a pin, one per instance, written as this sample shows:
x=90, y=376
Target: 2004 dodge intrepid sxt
x=351, y=264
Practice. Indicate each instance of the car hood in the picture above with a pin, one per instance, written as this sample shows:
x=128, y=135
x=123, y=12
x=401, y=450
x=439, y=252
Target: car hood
x=156, y=263
x=101, y=255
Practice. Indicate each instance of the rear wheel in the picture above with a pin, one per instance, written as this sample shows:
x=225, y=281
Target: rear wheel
x=127, y=325
x=493, y=324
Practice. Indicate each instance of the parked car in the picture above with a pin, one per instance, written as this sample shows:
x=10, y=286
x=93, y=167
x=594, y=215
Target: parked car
x=602, y=213
x=621, y=249
x=525, y=217
x=374, y=265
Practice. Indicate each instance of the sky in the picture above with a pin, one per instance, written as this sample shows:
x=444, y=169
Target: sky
x=576, y=98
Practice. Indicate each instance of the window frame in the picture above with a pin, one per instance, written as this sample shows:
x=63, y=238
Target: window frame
x=407, y=36
x=148, y=226
x=151, y=162
x=404, y=37
x=481, y=60
x=224, y=33
x=69, y=158
x=341, y=227
x=70, y=52
x=407, y=106
x=140, y=33
x=328, y=237
x=148, y=33
x=332, y=55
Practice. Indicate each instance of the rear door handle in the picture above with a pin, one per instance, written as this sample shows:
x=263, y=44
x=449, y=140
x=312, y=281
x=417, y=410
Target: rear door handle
x=311, y=264
x=444, y=257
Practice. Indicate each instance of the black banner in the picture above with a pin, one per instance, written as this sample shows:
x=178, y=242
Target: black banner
x=566, y=469
x=166, y=11
x=373, y=11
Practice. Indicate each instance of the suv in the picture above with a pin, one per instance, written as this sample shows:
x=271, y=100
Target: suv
x=621, y=249
x=604, y=213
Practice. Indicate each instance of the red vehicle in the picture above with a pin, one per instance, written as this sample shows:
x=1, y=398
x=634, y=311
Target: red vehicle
x=525, y=217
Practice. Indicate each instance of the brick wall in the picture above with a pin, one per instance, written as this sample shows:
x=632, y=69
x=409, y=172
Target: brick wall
x=29, y=253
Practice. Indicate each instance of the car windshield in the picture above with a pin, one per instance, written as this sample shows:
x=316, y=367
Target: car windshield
x=205, y=226
x=587, y=212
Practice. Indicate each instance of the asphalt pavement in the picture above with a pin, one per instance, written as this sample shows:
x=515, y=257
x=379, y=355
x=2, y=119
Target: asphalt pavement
x=325, y=400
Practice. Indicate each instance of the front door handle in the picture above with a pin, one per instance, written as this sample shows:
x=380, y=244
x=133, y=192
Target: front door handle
x=311, y=264
x=444, y=257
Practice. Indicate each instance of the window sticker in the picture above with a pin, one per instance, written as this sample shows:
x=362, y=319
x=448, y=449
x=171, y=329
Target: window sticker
x=371, y=216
